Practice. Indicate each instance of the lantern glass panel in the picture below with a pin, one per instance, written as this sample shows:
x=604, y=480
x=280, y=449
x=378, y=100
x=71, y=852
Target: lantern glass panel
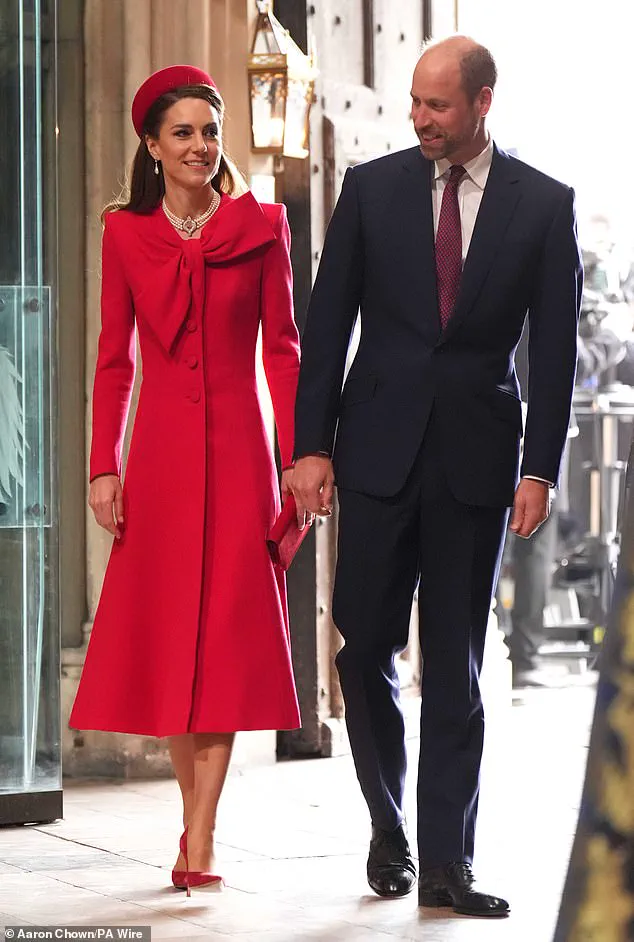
x=267, y=102
x=296, y=137
x=265, y=41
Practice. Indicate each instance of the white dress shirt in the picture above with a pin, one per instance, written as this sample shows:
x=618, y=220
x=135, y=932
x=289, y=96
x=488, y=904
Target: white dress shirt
x=470, y=192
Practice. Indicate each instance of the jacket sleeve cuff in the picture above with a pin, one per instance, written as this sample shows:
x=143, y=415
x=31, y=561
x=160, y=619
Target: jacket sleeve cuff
x=311, y=454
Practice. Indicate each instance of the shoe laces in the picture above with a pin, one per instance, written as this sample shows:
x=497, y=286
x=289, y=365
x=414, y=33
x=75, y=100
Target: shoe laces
x=464, y=872
x=395, y=840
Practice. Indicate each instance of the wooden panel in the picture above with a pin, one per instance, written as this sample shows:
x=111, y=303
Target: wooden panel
x=309, y=579
x=331, y=185
x=399, y=37
x=369, y=121
x=341, y=53
x=366, y=52
x=427, y=19
x=368, y=43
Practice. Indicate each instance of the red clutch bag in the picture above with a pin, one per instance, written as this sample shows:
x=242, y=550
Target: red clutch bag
x=285, y=537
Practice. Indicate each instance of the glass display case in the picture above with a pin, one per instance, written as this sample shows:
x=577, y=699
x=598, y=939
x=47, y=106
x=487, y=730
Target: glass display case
x=30, y=735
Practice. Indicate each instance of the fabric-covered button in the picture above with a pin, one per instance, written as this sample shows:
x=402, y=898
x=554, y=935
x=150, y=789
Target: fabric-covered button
x=192, y=362
x=191, y=325
x=194, y=395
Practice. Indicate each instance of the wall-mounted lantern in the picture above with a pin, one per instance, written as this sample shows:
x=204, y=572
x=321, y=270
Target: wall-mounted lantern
x=281, y=80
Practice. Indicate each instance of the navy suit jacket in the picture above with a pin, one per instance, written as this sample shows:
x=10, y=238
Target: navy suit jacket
x=378, y=258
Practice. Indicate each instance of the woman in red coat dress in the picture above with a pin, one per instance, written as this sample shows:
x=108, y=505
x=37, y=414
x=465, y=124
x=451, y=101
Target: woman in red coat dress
x=190, y=639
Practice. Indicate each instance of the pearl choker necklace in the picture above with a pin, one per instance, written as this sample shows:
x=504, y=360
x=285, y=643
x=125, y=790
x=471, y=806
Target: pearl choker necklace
x=189, y=225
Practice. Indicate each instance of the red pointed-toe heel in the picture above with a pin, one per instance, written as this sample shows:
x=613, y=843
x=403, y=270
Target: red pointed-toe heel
x=179, y=877
x=197, y=878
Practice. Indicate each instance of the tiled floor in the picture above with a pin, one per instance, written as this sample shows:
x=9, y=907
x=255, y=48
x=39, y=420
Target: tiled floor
x=294, y=839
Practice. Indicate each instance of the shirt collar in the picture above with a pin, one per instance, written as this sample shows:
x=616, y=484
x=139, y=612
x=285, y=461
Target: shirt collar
x=477, y=168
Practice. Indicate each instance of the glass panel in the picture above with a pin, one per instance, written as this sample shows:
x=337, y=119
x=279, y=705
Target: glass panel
x=296, y=126
x=268, y=101
x=265, y=41
x=29, y=626
x=24, y=407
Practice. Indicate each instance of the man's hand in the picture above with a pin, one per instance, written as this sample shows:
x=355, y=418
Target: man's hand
x=312, y=484
x=106, y=502
x=285, y=483
x=530, y=507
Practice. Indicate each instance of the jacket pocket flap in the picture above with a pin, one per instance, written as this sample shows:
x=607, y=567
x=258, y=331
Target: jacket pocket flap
x=358, y=389
x=507, y=405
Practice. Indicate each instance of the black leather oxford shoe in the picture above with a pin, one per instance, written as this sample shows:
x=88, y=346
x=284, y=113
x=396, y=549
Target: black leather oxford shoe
x=452, y=885
x=391, y=870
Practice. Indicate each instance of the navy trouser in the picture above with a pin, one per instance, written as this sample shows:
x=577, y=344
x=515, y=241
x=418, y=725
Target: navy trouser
x=385, y=546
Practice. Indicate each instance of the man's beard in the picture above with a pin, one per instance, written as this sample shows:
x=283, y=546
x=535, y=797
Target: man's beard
x=447, y=145
x=438, y=149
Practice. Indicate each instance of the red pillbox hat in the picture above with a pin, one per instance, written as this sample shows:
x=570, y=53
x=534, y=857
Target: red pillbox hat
x=161, y=82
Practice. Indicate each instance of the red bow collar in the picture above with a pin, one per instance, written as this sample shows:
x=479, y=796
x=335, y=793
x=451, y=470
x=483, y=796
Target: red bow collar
x=238, y=229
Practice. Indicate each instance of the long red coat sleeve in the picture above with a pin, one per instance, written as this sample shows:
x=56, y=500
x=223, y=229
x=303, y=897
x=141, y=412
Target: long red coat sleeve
x=280, y=340
x=114, y=374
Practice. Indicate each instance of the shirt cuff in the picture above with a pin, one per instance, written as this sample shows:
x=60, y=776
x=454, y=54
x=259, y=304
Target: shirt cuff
x=532, y=477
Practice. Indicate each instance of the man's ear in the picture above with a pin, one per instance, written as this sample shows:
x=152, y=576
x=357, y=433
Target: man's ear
x=486, y=99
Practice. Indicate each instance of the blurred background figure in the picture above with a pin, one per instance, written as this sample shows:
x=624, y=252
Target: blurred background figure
x=598, y=899
x=556, y=586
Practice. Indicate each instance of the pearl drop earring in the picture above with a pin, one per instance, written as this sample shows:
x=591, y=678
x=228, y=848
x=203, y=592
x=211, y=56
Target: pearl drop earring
x=156, y=168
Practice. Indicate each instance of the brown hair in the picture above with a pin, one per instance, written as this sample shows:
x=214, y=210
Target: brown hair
x=146, y=188
x=477, y=65
x=478, y=70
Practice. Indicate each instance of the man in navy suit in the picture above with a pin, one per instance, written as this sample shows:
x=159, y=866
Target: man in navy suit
x=444, y=248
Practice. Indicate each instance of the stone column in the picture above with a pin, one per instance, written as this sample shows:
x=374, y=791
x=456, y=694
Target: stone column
x=105, y=70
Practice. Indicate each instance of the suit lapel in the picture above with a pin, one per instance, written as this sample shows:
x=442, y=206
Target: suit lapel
x=499, y=200
x=411, y=239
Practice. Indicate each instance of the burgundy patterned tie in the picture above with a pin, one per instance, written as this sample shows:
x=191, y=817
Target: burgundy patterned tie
x=449, y=247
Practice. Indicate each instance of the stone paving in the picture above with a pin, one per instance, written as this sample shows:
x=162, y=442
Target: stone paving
x=293, y=842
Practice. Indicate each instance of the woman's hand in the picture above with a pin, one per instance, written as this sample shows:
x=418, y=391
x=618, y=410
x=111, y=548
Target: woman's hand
x=306, y=518
x=105, y=499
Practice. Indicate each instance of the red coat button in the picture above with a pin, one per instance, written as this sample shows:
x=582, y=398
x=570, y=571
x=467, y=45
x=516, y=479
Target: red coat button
x=192, y=362
x=191, y=325
x=194, y=395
